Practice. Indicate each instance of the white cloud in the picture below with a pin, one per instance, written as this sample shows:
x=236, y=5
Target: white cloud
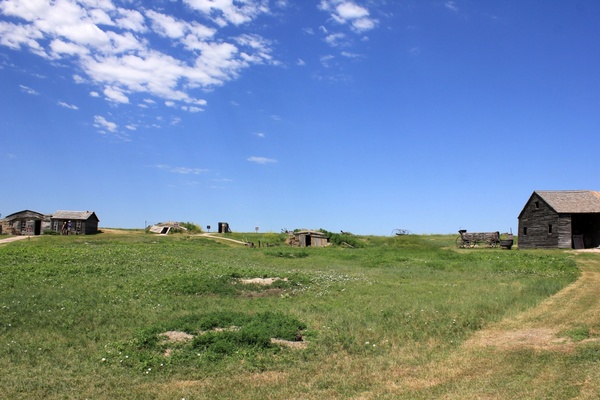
x=182, y=170
x=224, y=12
x=117, y=50
x=325, y=60
x=67, y=105
x=335, y=39
x=261, y=160
x=60, y=47
x=116, y=95
x=29, y=90
x=451, y=5
x=102, y=123
x=348, y=12
x=348, y=54
x=166, y=25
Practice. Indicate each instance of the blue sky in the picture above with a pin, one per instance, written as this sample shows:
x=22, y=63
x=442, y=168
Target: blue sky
x=362, y=116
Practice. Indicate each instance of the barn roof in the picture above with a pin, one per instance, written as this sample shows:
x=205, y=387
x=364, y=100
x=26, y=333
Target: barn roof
x=571, y=201
x=74, y=215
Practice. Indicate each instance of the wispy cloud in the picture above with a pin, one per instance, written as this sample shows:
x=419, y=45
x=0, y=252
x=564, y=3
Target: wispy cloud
x=348, y=12
x=182, y=170
x=261, y=160
x=67, y=105
x=9, y=156
x=451, y=5
x=103, y=123
x=29, y=90
x=117, y=50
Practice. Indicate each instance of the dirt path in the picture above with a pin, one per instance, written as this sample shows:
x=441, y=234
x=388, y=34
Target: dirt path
x=209, y=235
x=13, y=239
x=484, y=366
x=577, y=304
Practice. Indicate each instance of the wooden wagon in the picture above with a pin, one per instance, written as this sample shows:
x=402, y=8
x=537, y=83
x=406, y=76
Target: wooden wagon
x=472, y=239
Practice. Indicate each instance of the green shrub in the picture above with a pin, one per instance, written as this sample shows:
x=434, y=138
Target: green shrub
x=342, y=239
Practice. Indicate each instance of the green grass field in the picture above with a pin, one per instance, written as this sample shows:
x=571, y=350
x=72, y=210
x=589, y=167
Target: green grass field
x=125, y=314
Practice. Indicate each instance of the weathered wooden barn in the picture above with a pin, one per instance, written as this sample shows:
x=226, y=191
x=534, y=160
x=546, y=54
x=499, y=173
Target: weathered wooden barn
x=561, y=219
x=25, y=222
x=82, y=222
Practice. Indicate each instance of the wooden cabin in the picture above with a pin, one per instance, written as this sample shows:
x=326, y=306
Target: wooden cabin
x=80, y=222
x=25, y=222
x=561, y=219
x=307, y=238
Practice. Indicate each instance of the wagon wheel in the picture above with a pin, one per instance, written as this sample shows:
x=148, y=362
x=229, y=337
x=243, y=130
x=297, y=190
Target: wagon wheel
x=459, y=242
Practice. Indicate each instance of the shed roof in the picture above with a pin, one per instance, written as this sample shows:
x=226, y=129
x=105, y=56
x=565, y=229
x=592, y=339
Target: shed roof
x=571, y=201
x=74, y=215
x=24, y=214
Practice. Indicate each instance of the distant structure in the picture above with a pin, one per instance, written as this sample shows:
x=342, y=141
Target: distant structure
x=25, y=222
x=29, y=222
x=224, y=227
x=561, y=219
x=163, y=228
x=80, y=222
x=307, y=238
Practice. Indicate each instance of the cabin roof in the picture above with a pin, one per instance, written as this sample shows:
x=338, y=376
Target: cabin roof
x=74, y=215
x=571, y=201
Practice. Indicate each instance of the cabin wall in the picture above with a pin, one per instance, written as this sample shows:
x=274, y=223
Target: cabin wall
x=541, y=227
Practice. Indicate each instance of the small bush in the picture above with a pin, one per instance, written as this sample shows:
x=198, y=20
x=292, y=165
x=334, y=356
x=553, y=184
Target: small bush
x=191, y=227
x=341, y=239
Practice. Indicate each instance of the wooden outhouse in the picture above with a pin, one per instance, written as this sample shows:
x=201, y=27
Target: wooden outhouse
x=80, y=222
x=561, y=219
x=25, y=222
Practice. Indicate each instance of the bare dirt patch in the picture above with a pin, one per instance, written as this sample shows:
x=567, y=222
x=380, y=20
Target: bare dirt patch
x=297, y=345
x=262, y=281
x=532, y=338
x=177, y=336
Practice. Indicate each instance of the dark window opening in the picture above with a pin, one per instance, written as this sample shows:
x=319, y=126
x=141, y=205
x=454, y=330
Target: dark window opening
x=549, y=229
x=537, y=204
x=525, y=231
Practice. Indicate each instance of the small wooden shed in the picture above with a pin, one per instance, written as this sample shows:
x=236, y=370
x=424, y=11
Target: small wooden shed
x=81, y=222
x=561, y=219
x=308, y=238
x=25, y=222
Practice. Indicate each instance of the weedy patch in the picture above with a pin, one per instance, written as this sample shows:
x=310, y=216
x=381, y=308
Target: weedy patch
x=228, y=285
x=212, y=337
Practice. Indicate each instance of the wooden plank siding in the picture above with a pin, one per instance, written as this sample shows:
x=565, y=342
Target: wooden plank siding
x=551, y=218
x=535, y=222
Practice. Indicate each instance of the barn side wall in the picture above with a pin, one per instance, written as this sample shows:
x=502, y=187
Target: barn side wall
x=541, y=227
x=565, y=232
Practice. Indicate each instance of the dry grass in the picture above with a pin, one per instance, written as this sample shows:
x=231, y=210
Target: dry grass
x=490, y=362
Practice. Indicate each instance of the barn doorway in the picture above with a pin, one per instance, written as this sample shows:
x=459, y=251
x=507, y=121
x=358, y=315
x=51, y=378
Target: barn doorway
x=37, y=229
x=588, y=227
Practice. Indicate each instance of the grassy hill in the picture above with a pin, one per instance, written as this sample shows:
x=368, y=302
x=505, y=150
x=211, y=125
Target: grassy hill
x=125, y=314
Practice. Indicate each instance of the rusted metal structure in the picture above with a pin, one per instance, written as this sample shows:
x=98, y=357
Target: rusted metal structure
x=561, y=219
